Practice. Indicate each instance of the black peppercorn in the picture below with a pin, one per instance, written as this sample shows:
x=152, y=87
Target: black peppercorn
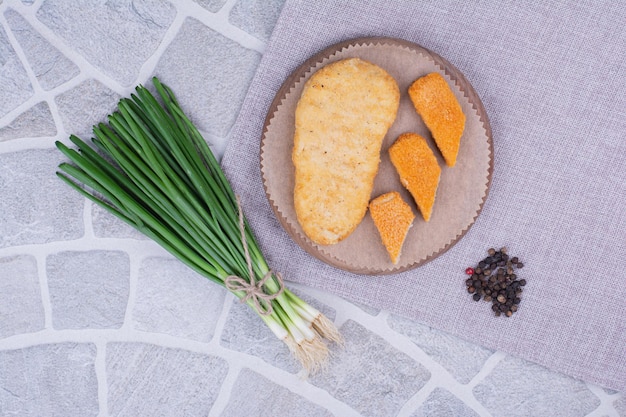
x=494, y=280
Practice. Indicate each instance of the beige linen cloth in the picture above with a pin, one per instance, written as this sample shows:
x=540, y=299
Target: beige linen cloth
x=551, y=76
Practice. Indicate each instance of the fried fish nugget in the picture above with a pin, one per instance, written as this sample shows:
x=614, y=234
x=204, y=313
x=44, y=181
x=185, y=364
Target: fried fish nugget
x=393, y=218
x=418, y=170
x=438, y=107
x=341, y=120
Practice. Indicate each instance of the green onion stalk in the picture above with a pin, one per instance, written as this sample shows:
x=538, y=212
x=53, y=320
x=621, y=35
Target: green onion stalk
x=151, y=167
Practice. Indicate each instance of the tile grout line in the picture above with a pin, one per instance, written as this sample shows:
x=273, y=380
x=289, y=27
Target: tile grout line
x=145, y=247
x=44, y=289
x=17, y=48
x=417, y=399
x=101, y=377
x=88, y=233
x=133, y=283
x=229, y=299
x=226, y=390
x=148, y=68
x=29, y=14
x=49, y=97
x=226, y=8
x=489, y=365
x=606, y=402
x=234, y=368
x=221, y=24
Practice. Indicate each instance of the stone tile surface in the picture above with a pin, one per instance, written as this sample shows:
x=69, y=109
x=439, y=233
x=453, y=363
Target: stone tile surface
x=84, y=106
x=170, y=297
x=21, y=308
x=216, y=66
x=211, y=5
x=370, y=375
x=257, y=17
x=36, y=207
x=49, y=380
x=127, y=32
x=88, y=290
x=16, y=87
x=50, y=66
x=33, y=123
x=462, y=359
x=176, y=382
x=531, y=390
x=106, y=225
x=442, y=403
x=258, y=396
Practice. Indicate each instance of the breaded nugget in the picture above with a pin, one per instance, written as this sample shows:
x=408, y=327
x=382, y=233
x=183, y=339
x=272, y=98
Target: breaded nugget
x=418, y=170
x=438, y=107
x=341, y=119
x=393, y=218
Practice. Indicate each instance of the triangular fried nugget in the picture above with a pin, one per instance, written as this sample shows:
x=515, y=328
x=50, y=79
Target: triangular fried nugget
x=418, y=170
x=393, y=218
x=441, y=112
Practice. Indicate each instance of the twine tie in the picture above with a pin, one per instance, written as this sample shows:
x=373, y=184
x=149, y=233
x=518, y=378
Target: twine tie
x=253, y=289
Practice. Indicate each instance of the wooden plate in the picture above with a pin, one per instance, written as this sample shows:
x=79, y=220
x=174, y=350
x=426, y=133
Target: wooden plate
x=463, y=188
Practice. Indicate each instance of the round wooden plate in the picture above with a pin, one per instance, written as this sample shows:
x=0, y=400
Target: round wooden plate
x=462, y=190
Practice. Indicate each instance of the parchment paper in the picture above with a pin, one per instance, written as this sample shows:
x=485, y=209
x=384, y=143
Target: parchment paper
x=462, y=189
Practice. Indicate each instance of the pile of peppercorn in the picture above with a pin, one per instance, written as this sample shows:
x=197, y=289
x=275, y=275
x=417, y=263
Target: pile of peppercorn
x=494, y=280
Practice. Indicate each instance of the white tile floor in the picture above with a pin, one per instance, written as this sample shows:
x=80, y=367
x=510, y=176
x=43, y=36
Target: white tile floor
x=97, y=320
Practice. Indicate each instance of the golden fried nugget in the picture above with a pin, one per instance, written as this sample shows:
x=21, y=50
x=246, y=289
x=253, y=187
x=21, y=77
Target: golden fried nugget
x=341, y=118
x=393, y=218
x=438, y=107
x=418, y=170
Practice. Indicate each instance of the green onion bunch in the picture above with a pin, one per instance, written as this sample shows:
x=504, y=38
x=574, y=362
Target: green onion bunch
x=150, y=167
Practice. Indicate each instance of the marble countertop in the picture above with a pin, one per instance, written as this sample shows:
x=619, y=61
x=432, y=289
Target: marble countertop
x=97, y=320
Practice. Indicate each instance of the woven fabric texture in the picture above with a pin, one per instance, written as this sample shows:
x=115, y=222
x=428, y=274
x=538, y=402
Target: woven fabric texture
x=551, y=77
